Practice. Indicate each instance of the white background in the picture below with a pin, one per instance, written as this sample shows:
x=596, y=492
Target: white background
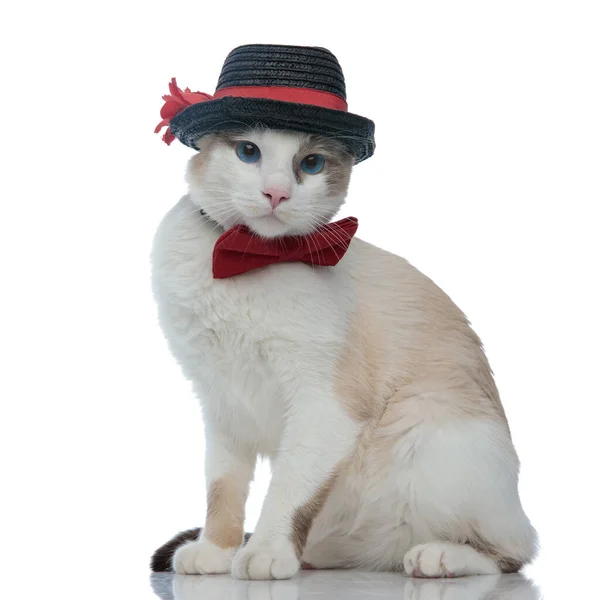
x=486, y=177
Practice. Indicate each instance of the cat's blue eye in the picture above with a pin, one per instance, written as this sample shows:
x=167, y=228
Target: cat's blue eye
x=313, y=164
x=248, y=152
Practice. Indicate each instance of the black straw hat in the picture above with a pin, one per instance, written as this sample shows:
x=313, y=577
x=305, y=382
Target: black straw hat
x=283, y=87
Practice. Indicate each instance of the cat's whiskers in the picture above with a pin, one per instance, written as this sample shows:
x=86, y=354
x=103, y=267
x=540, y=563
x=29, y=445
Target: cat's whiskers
x=333, y=234
x=307, y=235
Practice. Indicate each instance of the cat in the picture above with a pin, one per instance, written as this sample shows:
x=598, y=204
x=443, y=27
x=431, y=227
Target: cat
x=362, y=383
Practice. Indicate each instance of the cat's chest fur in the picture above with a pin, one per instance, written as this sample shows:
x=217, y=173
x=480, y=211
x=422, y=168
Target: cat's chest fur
x=250, y=338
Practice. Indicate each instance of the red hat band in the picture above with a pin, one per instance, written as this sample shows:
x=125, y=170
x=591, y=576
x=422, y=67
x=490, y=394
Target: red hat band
x=286, y=94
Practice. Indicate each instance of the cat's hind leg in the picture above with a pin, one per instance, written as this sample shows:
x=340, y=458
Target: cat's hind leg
x=464, y=509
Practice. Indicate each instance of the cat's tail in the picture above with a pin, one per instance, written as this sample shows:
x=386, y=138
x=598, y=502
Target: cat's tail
x=162, y=559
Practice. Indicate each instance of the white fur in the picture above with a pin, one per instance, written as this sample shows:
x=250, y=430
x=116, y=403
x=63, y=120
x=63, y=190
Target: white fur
x=263, y=349
x=202, y=557
x=266, y=560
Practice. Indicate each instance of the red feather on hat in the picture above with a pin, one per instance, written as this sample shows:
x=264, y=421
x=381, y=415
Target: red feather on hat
x=175, y=102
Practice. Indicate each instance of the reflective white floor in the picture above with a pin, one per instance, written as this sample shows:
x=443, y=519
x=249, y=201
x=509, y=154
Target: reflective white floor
x=343, y=585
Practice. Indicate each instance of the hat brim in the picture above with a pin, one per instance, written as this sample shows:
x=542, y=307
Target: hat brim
x=225, y=114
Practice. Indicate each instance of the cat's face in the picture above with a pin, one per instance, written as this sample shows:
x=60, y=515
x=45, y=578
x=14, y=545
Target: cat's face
x=275, y=182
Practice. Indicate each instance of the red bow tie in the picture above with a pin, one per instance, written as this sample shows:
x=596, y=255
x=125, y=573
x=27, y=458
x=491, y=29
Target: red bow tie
x=239, y=250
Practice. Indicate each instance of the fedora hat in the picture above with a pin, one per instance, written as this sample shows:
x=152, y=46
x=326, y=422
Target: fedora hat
x=282, y=87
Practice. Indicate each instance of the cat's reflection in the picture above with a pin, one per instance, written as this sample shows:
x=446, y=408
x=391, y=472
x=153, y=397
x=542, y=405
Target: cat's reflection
x=344, y=585
x=498, y=587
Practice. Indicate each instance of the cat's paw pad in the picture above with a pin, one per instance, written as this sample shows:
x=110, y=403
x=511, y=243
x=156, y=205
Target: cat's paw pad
x=265, y=561
x=202, y=558
x=444, y=559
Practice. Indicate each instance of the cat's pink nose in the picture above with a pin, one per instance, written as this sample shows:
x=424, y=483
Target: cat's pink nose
x=276, y=196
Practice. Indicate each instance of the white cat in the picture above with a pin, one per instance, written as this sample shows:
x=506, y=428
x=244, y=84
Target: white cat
x=362, y=383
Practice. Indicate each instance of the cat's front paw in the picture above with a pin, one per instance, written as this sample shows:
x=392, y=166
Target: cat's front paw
x=202, y=558
x=265, y=560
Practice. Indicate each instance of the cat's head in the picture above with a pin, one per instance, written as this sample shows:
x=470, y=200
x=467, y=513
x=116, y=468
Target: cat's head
x=275, y=182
